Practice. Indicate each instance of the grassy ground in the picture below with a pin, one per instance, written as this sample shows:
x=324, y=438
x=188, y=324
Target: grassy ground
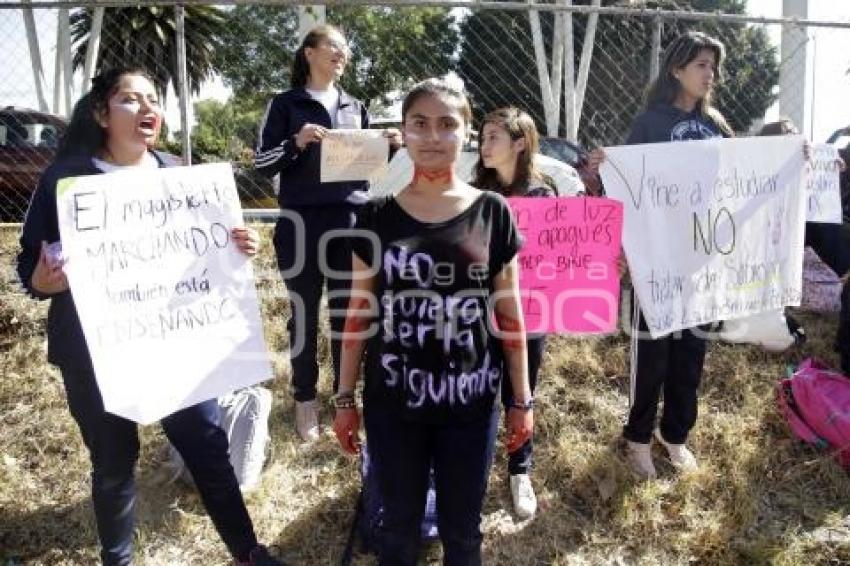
x=759, y=497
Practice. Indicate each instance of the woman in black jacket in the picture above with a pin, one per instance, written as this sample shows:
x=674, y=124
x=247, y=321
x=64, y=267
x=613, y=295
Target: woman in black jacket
x=290, y=146
x=113, y=127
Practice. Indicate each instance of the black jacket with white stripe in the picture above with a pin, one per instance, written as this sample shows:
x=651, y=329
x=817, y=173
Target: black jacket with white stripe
x=299, y=169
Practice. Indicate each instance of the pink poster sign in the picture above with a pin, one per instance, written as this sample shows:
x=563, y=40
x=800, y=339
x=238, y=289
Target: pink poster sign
x=568, y=265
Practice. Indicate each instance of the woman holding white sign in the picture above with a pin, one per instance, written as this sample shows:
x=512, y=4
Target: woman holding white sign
x=678, y=108
x=507, y=143
x=290, y=143
x=114, y=127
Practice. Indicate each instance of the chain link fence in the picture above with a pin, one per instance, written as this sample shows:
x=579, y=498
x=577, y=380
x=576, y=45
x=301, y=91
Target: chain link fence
x=580, y=70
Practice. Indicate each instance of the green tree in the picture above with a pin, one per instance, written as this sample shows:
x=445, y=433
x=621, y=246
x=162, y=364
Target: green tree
x=257, y=45
x=144, y=36
x=497, y=63
x=225, y=130
x=391, y=48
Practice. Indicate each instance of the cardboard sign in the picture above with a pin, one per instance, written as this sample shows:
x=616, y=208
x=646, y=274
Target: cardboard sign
x=166, y=300
x=353, y=155
x=713, y=229
x=823, y=185
x=568, y=265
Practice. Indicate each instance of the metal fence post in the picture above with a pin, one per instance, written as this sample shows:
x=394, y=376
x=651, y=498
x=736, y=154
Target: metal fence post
x=655, y=52
x=794, y=70
x=64, y=61
x=35, y=58
x=93, y=48
x=182, y=85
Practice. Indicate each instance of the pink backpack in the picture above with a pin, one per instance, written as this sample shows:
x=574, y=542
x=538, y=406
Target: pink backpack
x=816, y=403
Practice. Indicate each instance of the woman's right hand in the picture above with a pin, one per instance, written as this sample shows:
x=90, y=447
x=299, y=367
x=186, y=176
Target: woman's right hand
x=595, y=159
x=622, y=264
x=48, y=278
x=347, y=430
x=309, y=133
x=520, y=425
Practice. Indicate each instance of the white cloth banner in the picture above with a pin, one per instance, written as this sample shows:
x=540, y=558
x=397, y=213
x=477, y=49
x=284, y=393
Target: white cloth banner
x=399, y=173
x=166, y=300
x=353, y=155
x=713, y=229
x=823, y=187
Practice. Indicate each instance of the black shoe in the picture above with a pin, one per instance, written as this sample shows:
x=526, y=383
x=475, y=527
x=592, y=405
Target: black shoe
x=259, y=556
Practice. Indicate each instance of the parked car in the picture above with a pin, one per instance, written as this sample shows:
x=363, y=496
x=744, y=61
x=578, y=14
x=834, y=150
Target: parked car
x=28, y=143
x=563, y=150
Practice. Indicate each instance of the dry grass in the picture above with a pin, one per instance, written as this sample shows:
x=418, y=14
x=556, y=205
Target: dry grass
x=756, y=499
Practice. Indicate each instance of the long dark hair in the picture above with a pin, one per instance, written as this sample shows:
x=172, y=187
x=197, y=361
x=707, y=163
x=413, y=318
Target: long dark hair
x=681, y=51
x=85, y=136
x=300, y=65
x=518, y=125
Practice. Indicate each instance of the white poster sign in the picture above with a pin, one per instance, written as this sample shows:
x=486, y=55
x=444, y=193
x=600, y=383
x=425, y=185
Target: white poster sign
x=713, y=229
x=823, y=188
x=353, y=155
x=166, y=300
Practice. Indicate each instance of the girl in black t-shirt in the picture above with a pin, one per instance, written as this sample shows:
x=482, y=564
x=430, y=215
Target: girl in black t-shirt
x=438, y=256
x=508, y=141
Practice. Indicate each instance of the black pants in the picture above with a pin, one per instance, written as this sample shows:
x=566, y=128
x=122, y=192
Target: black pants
x=305, y=278
x=113, y=445
x=404, y=452
x=842, y=339
x=672, y=363
x=832, y=244
x=520, y=461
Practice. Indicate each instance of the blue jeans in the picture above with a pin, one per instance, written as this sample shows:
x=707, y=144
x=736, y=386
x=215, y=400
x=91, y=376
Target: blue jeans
x=520, y=461
x=113, y=445
x=305, y=288
x=404, y=451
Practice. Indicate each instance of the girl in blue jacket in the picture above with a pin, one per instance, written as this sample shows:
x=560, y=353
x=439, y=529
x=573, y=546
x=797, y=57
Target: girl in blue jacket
x=113, y=127
x=290, y=146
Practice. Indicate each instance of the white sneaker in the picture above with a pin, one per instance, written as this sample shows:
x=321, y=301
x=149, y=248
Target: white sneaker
x=307, y=420
x=639, y=457
x=522, y=492
x=681, y=458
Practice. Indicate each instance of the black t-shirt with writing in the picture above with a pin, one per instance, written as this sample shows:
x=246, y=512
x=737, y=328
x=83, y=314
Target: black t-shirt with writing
x=434, y=358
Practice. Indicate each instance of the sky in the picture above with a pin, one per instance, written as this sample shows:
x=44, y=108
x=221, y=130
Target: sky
x=827, y=106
